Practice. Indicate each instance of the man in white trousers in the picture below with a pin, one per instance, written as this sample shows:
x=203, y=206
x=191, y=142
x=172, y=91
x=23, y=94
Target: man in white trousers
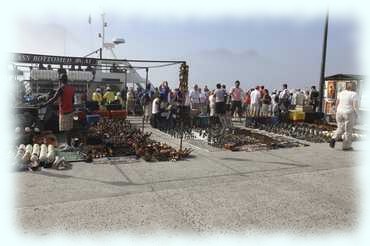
x=346, y=114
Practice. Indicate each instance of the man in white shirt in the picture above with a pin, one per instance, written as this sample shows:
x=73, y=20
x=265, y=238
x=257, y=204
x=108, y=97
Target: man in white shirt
x=212, y=104
x=347, y=112
x=294, y=98
x=156, y=112
x=194, y=98
x=219, y=95
x=255, y=101
x=203, y=98
x=274, y=103
x=300, y=98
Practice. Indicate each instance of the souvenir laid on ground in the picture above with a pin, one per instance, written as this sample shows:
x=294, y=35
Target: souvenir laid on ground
x=118, y=137
x=228, y=137
x=34, y=157
x=316, y=133
x=238, y=139
x=47, y=138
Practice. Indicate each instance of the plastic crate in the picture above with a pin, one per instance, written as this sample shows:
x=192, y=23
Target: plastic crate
x=92, y=119
x=118, y=114
x=295, y=115
x=102, y=113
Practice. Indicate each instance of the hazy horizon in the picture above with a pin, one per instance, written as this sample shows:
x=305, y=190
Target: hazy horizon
x=255, y=50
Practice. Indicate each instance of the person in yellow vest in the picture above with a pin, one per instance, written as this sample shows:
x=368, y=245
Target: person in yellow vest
x=119, y=99
x=97, y=96
x=108, y=96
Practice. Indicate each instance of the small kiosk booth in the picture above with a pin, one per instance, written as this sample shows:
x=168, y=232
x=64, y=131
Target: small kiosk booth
x=335, y=84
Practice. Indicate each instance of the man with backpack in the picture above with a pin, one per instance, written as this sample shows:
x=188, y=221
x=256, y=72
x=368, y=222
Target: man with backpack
x=284, y=99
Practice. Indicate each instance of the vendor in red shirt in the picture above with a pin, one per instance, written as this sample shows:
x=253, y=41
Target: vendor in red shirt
x=65, y=93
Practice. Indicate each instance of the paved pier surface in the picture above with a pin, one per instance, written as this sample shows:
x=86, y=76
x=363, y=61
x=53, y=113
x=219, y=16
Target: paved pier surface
x=297, y=190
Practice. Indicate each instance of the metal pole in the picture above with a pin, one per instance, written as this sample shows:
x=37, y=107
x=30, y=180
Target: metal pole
x=182, y=113
x=146, y=77
x=143, y=121
x=323, y=62
x=182, y=135
x=124, y=90
x=146, y=84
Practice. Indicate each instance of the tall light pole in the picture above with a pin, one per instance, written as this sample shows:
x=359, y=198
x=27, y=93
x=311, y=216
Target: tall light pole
x=323, y=62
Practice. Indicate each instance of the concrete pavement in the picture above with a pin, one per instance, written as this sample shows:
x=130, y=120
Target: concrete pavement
x=303, y=190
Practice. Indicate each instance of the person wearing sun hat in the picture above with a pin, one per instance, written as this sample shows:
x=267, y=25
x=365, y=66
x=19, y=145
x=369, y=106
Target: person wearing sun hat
x=97, y=96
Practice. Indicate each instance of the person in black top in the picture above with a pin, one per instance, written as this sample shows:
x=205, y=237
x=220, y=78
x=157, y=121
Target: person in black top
x=314, y=98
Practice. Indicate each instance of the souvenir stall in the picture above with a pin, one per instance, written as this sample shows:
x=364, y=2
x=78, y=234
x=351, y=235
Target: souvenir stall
x=334, y=84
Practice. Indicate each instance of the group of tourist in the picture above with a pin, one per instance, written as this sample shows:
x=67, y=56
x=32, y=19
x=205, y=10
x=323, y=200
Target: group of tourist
x=217, y=102
x=256, y=102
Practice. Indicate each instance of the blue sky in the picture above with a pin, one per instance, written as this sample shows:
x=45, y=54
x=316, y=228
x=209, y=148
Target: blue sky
x=266, y=51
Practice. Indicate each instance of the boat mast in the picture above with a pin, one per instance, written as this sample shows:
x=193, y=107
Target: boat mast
x=104, y=24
